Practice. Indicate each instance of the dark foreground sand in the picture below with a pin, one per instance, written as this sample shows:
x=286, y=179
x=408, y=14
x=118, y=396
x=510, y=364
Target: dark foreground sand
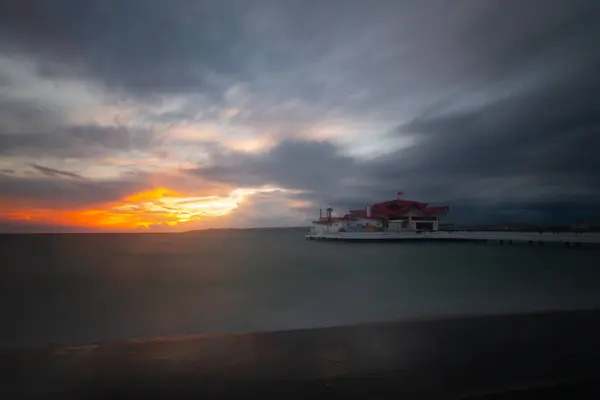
x=440, y=358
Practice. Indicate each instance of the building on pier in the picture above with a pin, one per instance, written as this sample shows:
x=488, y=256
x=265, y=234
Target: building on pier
x=393, y=215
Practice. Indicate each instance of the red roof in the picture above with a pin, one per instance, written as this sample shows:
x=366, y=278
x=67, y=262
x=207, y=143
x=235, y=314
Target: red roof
x=389, y=209
x=394, y=207
x=400, y=203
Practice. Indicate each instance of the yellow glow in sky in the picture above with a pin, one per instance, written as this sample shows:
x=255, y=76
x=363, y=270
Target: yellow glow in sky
x=142, y=210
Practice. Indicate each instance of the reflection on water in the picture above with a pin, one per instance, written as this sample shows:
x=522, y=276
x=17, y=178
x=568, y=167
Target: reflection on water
x=83, y=288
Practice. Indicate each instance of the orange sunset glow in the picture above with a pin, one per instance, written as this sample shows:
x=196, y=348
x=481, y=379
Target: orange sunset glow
x=139, y=210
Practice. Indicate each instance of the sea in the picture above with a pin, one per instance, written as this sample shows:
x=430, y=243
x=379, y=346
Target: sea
x=87, y=288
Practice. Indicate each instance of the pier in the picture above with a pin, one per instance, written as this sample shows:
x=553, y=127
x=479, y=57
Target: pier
x=409, y=220
x=509, y=237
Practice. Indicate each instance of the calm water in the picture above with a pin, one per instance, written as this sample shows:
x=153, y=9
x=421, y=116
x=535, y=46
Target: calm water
x=84, y=288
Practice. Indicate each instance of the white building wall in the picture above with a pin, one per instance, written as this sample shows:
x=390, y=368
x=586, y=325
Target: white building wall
x=359, y=225
x=397, y=226
x=322, y=228
x=332, y=227
x=371, y=222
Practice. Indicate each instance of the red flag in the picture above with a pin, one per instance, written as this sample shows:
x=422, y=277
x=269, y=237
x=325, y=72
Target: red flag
x=400, y=194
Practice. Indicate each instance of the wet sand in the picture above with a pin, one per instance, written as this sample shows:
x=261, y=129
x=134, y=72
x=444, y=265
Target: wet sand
x=453, y=356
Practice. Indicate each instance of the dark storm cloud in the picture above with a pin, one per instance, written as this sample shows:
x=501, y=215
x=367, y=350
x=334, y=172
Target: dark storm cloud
x=33, y=128
x=535, y=139
x=367, y=60
x=55, y=173
x=326, y=176
x=551, y=130
x=291, y=164
x=267, y=210
x=318, y=168
x=17, y=116
x=59, y=193
x=545, y=140
x=513, y=152
x=75, y=141
x=316, y=51
x=139, y=45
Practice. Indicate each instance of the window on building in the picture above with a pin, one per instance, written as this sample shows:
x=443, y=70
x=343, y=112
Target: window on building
x=426, y=226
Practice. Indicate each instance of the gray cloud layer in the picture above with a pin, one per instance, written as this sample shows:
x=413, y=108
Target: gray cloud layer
x=79, y=141
x=500, y=98
x=53, y=172
x=58, y=190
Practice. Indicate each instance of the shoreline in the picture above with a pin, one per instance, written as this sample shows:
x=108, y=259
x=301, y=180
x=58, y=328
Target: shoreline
x=457, y=355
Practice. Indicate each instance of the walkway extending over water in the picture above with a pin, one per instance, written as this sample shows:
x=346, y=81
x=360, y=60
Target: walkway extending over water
x=567, y=238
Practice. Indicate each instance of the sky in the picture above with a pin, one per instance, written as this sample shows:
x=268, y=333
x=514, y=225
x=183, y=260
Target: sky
x=155, y=115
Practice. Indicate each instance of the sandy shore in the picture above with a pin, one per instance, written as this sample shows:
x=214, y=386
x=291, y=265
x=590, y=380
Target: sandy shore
x=416, y=358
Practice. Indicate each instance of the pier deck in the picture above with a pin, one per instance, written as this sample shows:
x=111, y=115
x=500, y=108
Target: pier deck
x=502, y=237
